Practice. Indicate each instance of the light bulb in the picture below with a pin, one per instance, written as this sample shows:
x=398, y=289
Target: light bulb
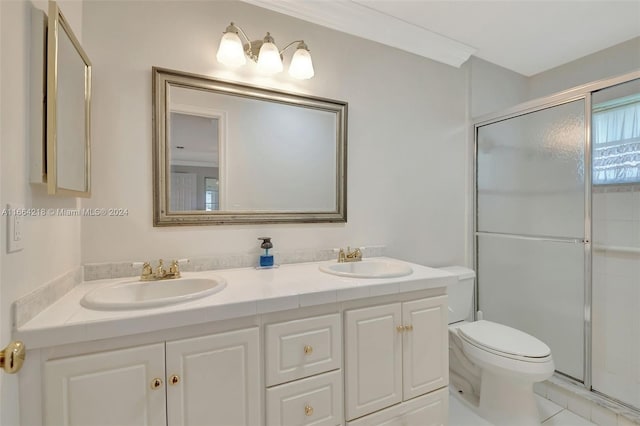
x=269, y=60
x=230, y=51
x=301, y=66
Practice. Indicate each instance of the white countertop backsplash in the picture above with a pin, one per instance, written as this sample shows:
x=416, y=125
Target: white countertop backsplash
x=248, y=292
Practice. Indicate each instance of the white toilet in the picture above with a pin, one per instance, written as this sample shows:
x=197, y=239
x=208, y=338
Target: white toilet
x=492, y=365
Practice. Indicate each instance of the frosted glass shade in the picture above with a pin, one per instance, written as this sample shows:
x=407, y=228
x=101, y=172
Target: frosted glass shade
x=269, y=61
x=230, y=51
x=301, y=66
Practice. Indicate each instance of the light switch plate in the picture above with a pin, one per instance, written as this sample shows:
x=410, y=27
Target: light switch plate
x=15, y=228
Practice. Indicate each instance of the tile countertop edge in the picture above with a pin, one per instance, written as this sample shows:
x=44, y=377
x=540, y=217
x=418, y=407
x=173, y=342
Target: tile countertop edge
x=60, y=332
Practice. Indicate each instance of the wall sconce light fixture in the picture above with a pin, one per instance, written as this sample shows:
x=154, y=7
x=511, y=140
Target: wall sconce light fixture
x=232, y=52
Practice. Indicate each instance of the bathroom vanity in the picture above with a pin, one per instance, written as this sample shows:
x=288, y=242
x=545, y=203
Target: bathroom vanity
x=286, y=346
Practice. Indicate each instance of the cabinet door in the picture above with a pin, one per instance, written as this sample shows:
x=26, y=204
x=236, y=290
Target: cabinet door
x=217, y=380
x=373, y=352
x=425, y=346
x=108, y=388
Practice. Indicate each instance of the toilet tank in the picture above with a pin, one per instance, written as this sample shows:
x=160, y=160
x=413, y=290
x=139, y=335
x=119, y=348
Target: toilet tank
x=460, y=294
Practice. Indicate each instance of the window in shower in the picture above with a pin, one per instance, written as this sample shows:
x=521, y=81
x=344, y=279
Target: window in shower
x=616, y=141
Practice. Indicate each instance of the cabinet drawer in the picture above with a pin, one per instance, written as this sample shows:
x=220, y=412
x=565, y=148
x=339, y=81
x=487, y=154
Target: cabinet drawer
x=313, y=401
x=427, y=410
x=300, y=348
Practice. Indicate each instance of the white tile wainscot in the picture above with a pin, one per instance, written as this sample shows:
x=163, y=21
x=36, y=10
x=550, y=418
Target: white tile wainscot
x=292, y=318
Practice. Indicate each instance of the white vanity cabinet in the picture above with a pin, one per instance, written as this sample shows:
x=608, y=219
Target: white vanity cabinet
x=340, y=352
x=393, y=353
x=212, y=379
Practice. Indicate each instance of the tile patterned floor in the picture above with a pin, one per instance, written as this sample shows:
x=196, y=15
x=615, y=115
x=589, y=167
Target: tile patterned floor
x=551, y=414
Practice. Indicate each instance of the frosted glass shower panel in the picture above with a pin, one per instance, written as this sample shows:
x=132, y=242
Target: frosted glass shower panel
x=616, y=242
x=530, y=173
x=538, y=287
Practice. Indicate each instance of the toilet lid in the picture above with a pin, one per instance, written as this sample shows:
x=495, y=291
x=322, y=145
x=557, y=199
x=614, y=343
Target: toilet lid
x=503, y=339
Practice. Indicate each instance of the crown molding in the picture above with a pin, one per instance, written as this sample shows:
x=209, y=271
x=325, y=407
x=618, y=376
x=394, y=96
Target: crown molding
x=357, y=19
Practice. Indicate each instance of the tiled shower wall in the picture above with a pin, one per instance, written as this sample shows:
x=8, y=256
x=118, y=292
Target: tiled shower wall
x=616, y=292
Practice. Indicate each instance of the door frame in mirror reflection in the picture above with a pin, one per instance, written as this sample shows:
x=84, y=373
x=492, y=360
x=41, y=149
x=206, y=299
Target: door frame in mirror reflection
x=58, y=152
x=219, y=115
x=165, y=79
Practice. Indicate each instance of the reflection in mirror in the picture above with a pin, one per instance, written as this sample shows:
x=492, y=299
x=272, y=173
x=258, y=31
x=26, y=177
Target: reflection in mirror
x=194, y=153
x=71, y=131
x=229, y=153
x=68, y=113
x=211, y=194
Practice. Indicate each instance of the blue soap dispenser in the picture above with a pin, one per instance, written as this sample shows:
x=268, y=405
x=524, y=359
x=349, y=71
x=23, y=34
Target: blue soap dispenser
x=266, y=260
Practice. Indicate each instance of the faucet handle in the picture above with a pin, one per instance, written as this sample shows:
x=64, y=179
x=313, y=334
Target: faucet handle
x=174, y=269
x=341, y=256
x=147, y=272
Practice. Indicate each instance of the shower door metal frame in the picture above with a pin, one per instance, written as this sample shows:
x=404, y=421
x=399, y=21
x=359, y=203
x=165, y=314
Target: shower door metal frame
x=582, y=92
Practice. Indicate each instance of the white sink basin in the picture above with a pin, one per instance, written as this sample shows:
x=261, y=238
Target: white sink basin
x=368, y=269
x=135, y=294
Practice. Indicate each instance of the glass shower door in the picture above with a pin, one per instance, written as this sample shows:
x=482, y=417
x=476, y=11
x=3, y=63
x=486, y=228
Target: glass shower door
x=616, y=242
x=530, y=228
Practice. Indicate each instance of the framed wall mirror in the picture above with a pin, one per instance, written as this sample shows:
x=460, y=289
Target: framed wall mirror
x=228, y=153
x=68, y=146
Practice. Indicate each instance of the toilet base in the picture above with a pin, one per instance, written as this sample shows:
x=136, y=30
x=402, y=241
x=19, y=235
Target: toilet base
x=507, y=401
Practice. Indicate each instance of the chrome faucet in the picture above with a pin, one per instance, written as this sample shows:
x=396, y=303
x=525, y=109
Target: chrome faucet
x=349, y=256
x=160, y=273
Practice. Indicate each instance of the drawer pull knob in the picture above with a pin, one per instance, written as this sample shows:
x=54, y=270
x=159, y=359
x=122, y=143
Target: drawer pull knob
x=308, y=350
x=12, y=357
x=308, y=410
x=156, y=383
x=174, y=380
x=400, y=328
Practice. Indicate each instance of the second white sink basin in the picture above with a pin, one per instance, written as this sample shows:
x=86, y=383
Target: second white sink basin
x=368, y=269
x=135, y=294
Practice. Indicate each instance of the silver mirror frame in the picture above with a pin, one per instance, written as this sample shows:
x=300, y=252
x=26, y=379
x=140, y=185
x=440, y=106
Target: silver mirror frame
x=162, y=79
x=57, y=22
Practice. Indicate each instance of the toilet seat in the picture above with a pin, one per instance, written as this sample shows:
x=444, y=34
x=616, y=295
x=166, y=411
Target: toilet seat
x=504, y=341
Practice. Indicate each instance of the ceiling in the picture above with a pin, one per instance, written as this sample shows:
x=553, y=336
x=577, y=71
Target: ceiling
x=525, y=36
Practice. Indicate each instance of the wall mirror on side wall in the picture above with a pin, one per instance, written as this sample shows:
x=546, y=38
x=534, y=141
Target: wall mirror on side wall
x=228, y=153
x=68, y=110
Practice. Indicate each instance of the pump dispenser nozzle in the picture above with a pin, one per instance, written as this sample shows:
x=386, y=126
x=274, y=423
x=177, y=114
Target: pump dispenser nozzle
x=266, y=259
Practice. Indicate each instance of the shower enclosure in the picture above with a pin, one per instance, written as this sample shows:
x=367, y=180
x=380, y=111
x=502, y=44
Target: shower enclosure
x=557, y=229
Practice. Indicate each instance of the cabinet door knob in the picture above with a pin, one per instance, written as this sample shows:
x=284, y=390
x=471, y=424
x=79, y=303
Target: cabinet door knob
x=400, y=328
x=174, y=380
x=408, y=327
x=308, y=410
x=12, y=357
x=156, y=383
x=308, y=349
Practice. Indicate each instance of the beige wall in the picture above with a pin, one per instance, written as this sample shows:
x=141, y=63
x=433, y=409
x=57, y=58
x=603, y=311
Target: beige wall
x=620, y=59
x=493, y=88
x=51, y=244
x=407, y=133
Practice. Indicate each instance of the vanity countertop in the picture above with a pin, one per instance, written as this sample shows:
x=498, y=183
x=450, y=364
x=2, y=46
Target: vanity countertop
x=249, y=291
